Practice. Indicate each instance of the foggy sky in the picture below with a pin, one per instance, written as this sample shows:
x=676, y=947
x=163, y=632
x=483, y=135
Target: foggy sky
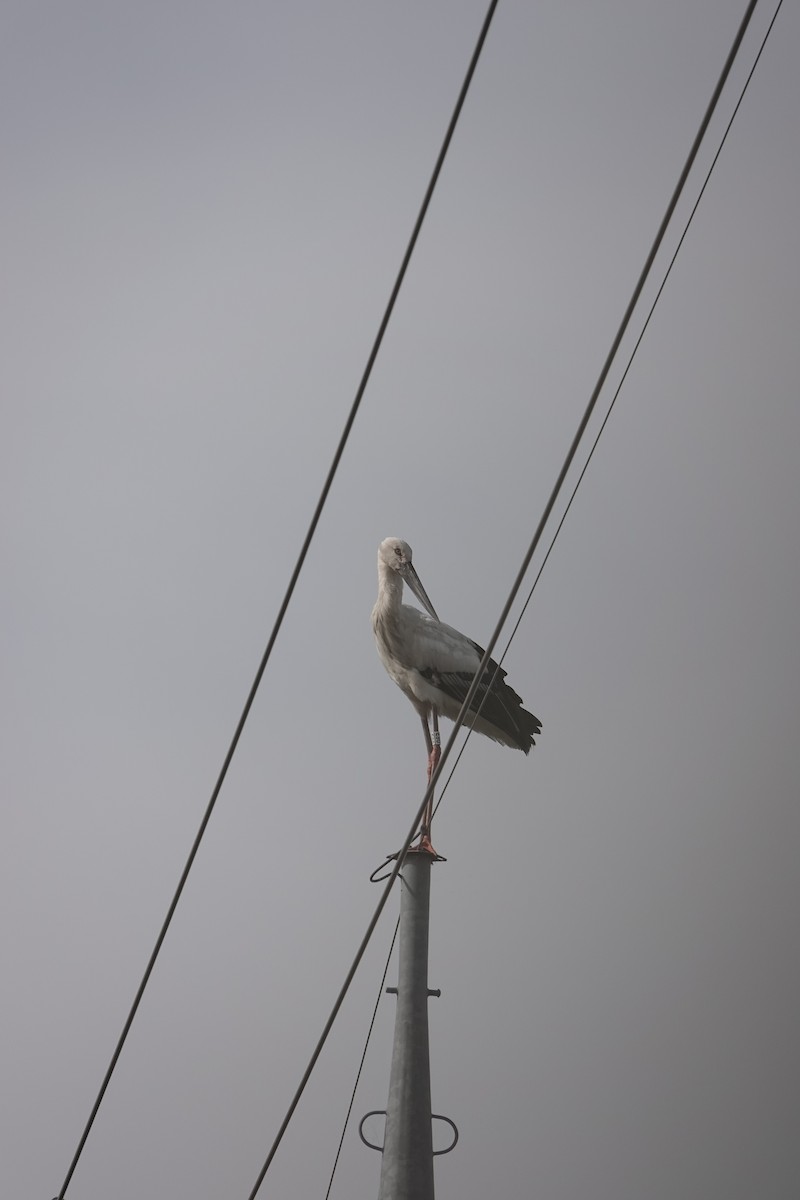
x=204, y=208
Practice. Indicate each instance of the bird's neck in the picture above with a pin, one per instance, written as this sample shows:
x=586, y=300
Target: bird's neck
x=390, y=591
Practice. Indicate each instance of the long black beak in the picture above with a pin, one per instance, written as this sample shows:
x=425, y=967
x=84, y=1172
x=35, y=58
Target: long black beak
x=413, y=580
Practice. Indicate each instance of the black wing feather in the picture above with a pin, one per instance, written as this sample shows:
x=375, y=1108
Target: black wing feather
x=499, y=704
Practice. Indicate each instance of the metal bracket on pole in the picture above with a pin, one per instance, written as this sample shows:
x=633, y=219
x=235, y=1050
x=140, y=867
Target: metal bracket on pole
x=453, y=1126
x=392, y=991
x=377, y=877
x=375, y=1112
x=381, y=1112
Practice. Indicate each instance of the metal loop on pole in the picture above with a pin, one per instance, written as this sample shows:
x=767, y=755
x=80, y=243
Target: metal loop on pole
x=381, y=1112
x=377, y=1112
x=453, y=1126
x=375, y=877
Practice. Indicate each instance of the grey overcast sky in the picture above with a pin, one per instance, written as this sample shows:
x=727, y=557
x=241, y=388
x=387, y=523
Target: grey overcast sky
x=203, y=210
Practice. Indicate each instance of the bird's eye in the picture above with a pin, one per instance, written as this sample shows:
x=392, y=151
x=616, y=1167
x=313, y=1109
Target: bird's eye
x=398, y=552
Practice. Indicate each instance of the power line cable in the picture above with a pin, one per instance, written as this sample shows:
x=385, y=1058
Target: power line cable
x=667, y=273
x=365, y=941
x=363, y=1059
x=290, y=589
x=463, y=712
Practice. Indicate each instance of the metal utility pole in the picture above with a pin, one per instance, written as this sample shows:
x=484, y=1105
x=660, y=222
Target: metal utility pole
x=407, y=1167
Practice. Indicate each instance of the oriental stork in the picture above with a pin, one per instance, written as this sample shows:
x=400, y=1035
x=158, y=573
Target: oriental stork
x=434, y=665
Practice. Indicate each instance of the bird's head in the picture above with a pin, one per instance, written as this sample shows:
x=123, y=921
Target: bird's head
x=395, y=555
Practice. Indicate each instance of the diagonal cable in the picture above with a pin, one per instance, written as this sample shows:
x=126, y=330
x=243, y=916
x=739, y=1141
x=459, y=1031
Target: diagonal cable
x=628, y=366
x=289, y=591
x=363, y=1059
x=464, y=711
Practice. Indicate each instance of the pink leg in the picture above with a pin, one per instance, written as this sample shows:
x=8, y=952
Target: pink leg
x=434, y=754
x=435, y=751
x=429, y=745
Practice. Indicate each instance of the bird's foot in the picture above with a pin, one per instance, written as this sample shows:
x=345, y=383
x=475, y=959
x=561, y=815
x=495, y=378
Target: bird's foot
x=425, y=845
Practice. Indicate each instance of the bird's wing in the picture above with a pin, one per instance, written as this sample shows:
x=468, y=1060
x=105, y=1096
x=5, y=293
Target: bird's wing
x=448, y=660
x=431, y=645
x=502, y=715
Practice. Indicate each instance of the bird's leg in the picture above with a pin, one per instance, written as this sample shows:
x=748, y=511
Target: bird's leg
x=434, y=753
x=429, y=745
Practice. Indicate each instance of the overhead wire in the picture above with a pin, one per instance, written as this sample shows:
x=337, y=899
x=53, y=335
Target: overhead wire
x=291, y=585
x=365, y=941
x=465, y=707
x=363, y=1059
x=667, y=273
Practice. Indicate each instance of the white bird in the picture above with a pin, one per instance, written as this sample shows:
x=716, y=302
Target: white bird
x=434, y=664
